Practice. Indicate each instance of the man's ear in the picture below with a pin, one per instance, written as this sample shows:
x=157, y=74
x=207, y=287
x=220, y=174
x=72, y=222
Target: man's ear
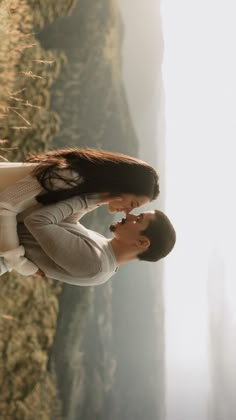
x=143, y=243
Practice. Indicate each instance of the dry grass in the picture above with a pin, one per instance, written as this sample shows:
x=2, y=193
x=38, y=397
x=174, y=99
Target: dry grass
x=13, y=40
x=28, y=306
x=27, y=72
x=28, y=317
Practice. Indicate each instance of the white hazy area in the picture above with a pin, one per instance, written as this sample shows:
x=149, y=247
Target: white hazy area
x=199, y=71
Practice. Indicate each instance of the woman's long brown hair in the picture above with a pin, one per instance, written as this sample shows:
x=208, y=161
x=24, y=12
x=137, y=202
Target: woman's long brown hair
x=96, y=171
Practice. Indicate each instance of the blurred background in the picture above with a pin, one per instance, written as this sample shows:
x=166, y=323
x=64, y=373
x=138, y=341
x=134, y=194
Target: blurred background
x=97, y=72
x=154, y=79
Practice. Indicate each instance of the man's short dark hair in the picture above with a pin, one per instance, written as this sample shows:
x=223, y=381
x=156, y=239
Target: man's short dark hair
x=162, y=237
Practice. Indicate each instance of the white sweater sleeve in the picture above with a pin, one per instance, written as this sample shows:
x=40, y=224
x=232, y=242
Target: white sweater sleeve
x=14, y=200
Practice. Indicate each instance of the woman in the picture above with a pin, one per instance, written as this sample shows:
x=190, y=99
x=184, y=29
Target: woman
x=121, y=181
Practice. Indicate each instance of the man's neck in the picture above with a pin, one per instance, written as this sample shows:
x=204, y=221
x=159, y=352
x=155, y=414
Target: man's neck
x=121, y=252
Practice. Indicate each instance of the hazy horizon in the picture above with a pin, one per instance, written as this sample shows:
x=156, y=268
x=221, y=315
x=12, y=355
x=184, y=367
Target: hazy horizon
x=184, y=105
x=142, y=54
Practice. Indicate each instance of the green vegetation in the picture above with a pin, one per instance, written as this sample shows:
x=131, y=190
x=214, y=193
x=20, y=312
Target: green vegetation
x=28, y=306
x=91, y=358
x=100, y=373
x=90, y=97
x=28, y=317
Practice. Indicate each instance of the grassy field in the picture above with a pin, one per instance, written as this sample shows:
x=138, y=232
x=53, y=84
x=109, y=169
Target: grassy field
x=27, y=72
x=28, y=306
x=96, y=112
x=28, y=317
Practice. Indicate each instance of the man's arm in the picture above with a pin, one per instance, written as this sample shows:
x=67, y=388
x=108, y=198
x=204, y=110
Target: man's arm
x=65, y=210
x=66, y=249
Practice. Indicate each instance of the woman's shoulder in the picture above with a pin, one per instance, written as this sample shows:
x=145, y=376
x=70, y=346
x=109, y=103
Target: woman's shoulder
x=16, y=164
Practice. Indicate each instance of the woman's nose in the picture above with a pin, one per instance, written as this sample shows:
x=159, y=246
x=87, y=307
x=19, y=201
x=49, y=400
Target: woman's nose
x=127, y=210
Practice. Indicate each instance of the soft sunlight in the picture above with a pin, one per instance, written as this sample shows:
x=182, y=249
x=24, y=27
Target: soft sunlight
x=199, y=76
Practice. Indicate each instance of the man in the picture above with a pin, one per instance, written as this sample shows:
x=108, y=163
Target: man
x=65, y=250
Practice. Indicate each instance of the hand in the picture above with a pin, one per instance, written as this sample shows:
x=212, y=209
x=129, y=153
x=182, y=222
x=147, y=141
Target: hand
x=39, y=273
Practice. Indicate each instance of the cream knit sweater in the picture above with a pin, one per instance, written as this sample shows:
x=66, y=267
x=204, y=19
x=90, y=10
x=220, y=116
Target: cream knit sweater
x=18, y=189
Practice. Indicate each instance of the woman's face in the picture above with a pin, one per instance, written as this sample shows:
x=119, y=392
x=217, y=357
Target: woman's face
x=127, y=202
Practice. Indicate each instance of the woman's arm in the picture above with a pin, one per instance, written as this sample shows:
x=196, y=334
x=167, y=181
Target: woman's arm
x=10, y=248
x=14, y=200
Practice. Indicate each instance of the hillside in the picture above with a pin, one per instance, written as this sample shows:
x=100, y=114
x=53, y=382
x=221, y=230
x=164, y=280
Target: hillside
x=90, y=95
x=91, y=330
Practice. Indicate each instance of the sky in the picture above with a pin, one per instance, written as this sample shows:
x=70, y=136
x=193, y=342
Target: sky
x=199, y=71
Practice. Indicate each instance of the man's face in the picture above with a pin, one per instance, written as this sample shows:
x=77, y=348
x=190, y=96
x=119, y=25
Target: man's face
x=129, y=228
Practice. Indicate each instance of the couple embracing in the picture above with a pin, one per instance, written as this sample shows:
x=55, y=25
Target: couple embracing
x=43, y=200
